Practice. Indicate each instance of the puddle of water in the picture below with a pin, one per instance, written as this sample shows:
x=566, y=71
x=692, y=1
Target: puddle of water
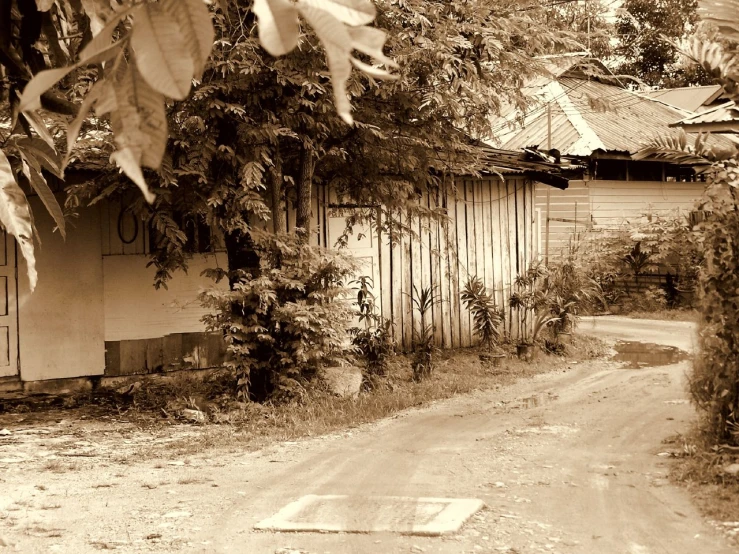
x=535, y=400
x=638, y=355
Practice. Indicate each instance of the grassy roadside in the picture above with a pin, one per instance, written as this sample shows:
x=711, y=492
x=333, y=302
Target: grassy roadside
x=701, y=470
x=458, y=372
x=158, y=406
x=665, y=315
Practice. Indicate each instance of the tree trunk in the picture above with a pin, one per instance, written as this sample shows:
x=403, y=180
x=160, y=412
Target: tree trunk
x=279, y=221
x=241, y=255
x=305, y=189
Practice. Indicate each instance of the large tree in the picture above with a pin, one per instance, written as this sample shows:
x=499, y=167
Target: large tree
x=131, y=56
x=259, y=131
x=648, y=32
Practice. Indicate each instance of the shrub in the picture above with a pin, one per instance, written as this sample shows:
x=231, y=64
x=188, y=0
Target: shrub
x=532, y=302
x=423, y=338
x=487, y=318
x=714, y=383
x=282, y=324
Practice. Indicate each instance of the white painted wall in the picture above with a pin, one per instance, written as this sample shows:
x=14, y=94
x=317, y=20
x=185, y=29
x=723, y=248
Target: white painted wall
x=615, y=203
x=61, y=323
x=608, y=205
x=134, y=309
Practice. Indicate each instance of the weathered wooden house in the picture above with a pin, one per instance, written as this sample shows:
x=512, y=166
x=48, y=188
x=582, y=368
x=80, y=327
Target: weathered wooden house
x=95, y=312
x=600, y=123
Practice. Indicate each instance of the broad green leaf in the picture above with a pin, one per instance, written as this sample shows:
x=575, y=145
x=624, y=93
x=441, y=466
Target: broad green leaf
x=99, y=11
x=40, y=127
x=44, y=5
x=372, y=71
x=351, y=12
x=32, y=171
x=159, y=47
x=41, y=82
x=39, y=150
x=278, y=25
x=139, y=125
x=15, y=216
x=337, y=43
x=370, y=41
x=153, y=120
x=73, y=131
x=127, y=160
x=196, y=27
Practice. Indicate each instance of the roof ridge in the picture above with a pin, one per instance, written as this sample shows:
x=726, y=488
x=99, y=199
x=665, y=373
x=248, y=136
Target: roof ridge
x=588, y=137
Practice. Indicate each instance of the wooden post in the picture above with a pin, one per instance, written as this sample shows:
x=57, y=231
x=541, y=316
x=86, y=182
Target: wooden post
x=549, y=126
x=546, y=234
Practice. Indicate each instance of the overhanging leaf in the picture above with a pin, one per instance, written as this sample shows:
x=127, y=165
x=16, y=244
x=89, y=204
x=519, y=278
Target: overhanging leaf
x=139, y=124
x=41, y=82
x=73, y=130
x=32, y=171
x=370, y=41
x=337, y=43
x=351, y=12
x=158, y=44
x=39, y=150
x=15, y=216
x=101, y=41
x=40, y=127
x=278, y=25
x=128, y=161
x=197, y=30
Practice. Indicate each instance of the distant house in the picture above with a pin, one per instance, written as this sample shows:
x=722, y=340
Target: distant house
x=95, y=313
x=722, y=119
x=598, y=122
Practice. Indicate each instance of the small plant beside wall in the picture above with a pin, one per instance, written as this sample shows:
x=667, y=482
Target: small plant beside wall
x=487, y=318
x=423, y=338
x=374, y=339
x=531, y=302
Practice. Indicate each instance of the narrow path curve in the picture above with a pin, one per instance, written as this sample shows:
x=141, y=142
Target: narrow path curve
x=567, y=462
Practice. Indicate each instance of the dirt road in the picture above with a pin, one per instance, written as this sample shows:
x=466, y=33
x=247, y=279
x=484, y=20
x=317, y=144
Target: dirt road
x=567, y=462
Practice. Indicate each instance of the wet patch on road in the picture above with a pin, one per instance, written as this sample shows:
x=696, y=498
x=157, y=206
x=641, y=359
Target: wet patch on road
x=639, y=355
x=535, y=400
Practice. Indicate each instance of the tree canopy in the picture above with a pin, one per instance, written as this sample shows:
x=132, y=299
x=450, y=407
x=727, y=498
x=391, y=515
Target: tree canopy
x=140, y=54
x=648, y=35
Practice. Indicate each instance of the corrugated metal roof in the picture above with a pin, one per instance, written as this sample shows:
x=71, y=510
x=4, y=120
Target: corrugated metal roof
x=589, y=115
x=687, y=98
x=722, y=119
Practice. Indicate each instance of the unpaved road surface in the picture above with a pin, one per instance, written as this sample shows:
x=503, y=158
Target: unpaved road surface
x=566, y=462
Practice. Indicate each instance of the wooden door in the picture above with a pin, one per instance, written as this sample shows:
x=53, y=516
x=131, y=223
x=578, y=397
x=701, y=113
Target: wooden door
x=8, y=308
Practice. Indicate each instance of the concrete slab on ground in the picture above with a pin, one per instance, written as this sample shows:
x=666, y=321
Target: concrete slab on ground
x=371, y=514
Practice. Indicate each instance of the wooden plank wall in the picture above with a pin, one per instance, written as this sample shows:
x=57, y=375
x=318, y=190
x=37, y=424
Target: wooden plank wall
x=490, y=233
